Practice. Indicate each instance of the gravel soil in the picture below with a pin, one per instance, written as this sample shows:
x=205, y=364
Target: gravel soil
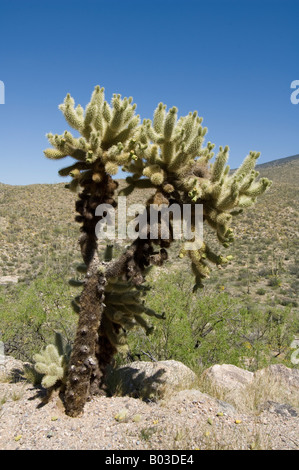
x=188, y=421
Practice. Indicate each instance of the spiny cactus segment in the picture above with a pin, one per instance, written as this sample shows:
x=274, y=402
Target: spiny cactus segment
x=52, y=362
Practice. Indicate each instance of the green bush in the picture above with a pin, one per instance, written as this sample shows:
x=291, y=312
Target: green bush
x=200, y=329
x=30, y=315
x=261, y=291
x=274, y=281
x=209, y=328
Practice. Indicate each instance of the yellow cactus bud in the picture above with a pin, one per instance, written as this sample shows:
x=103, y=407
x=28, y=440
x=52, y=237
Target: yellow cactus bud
x=75, y=173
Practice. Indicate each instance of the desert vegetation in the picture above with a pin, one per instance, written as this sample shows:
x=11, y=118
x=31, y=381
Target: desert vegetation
x=43, y=252
x=245, y=313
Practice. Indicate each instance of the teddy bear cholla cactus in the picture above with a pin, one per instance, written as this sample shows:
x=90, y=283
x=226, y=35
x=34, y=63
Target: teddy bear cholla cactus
x=166, y=154
x=49, y=363
x=52, y=363
x=175, y=160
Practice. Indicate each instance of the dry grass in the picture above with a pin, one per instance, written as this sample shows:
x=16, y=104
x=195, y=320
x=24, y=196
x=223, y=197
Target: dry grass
x=250, y=398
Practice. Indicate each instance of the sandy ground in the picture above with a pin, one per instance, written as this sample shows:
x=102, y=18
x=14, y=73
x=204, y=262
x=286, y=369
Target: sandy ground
x=188, y=421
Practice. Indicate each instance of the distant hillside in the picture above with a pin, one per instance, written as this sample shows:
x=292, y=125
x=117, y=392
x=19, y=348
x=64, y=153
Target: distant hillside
x=278, y=162
x=38, y=232
x=284, y=170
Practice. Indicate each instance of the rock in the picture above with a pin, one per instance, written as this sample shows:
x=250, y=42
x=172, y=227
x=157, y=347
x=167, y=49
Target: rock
x=8, y=280
x=284, y=376
x=226, y=408
x=192, y=395
x=247, y=390
x=151, y=380
x=196, y=396
x=228, y=377
x=11, y=367
x=282, y=409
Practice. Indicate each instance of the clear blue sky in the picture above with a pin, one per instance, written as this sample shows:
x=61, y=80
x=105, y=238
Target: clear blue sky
x=231, y=60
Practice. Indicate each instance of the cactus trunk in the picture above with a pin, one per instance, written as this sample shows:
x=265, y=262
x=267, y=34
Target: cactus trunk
x=85, y=361
x=83, y=366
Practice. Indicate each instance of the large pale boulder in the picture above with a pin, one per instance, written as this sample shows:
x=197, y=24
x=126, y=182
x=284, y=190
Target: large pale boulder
x=247, y=390
x=8, y=280
x=228, y=377
x=282, y=375
x=281, y=384
x=10, y=367
x=151, y=380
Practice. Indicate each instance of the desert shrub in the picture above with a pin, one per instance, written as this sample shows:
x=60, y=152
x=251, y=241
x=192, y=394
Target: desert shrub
x=261, y=291
x=31, y=313
x=212, y=327
x=274, y=281
x=183, y=334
